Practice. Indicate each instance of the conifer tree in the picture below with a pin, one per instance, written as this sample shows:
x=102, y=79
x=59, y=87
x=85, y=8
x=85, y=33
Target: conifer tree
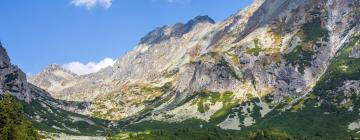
x=13, y=124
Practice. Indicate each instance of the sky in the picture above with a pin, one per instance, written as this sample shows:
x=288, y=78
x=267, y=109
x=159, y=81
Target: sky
x=86, y=35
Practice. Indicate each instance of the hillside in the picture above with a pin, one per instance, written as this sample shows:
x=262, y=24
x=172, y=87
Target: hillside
x=291, y=66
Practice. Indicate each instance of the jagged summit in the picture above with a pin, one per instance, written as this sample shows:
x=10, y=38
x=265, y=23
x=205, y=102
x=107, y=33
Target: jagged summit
x=4, y=58
x=56, y=67
x=53, y=67
x=200, y=19
x=12, y=79
x=178, y=30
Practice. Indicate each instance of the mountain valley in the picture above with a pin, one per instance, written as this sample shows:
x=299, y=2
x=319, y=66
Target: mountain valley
x=278, y=69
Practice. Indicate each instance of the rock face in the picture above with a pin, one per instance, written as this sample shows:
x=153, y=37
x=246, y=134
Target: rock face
x=12, y=79
x=273, y=50
x=52, y=78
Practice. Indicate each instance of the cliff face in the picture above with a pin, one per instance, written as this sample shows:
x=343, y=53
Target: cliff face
x=12, y=79
x=274, y=50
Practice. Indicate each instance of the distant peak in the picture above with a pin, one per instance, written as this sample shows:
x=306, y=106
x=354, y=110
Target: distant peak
x=53, y=67
x=178, y=30
x=56, y=67
x=201, y=19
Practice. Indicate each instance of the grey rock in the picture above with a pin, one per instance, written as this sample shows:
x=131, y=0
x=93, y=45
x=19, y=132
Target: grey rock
x=12, y=79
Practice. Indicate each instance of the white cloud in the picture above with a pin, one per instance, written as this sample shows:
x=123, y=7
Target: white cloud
x=91, y=67
x=92, y=3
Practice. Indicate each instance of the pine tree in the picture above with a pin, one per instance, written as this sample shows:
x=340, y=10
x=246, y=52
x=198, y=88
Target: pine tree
x=13, y=124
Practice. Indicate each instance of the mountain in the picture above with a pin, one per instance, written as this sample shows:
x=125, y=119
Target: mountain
x=12, y=79
x=288, y=65
x=46, y=113
x=52, y=78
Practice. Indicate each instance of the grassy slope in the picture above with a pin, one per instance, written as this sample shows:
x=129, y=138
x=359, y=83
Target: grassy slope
x=56, y=120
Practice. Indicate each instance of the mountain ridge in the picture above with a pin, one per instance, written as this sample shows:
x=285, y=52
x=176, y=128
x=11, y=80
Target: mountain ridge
x=198, y=51
x=269, y=65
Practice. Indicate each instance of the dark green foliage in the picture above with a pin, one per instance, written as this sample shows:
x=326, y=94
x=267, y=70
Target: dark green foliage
x=202, y=108
x=310, y=122
x=13, y=124
x=313, y=30
x=226, y=98
x=189, y=129
x=194, y=129
x=204, y=96
x=268, y=135
x=300, y=57
x=255, y=114
x=221, y=114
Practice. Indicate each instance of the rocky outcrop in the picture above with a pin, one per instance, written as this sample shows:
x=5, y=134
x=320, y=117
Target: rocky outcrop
x=12, y=79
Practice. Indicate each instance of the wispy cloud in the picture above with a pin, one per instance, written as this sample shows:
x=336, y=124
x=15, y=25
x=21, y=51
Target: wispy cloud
x=91, y=67
x=92, y=3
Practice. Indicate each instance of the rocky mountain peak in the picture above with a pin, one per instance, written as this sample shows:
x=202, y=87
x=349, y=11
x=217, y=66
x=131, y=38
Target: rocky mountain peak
x=53, y=75
x=55, y=67
x=12, y=79
x=178, y=30
x=4, y=58
x=155, y=36
x=200, y=19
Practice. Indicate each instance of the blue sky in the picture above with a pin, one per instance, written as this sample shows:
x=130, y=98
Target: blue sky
x=37, y=33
